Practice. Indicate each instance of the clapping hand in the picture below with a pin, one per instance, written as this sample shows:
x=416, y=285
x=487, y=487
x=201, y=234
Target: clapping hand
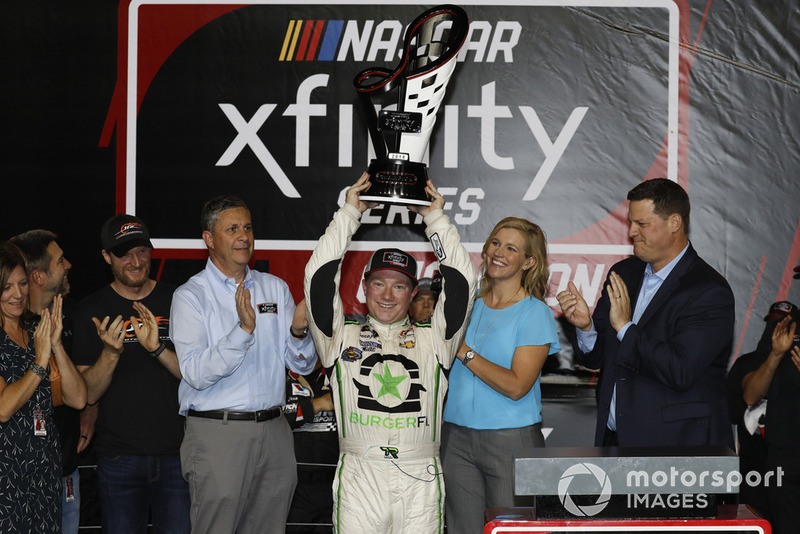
x=783, y=335
x=57, y=320
x=783, y=340
x=146, y=329
x=112, y=333
x=574, y=307
x=619, y=313
x=42, y=339
x=247, y=315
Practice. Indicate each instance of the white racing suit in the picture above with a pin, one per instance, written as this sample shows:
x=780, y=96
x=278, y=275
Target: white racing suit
x=388, y=384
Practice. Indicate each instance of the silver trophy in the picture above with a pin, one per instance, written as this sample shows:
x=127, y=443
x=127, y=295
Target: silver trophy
x=415, y=90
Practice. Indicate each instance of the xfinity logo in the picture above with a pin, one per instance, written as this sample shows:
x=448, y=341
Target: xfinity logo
x=394, y=258
x=369, y=40
x=488, y=115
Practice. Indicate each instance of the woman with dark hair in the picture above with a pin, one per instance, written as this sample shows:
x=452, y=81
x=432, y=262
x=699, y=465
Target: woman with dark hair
x=30, y=459
x=494, y=403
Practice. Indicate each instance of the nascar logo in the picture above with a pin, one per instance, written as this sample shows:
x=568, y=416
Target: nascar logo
x=319, y=40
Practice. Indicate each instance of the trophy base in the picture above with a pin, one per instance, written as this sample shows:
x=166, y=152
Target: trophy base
x=397, y=182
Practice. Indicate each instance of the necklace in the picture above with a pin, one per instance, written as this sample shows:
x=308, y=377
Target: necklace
x=496, y=315
x=19, y=338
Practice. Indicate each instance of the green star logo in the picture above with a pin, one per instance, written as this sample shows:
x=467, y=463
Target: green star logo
x=389, y=383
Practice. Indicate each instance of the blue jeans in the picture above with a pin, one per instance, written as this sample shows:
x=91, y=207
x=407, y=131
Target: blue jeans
x=71, y=511
x=132, y=488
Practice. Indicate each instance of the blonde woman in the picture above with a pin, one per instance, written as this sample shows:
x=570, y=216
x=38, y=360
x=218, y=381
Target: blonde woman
x=494, y=405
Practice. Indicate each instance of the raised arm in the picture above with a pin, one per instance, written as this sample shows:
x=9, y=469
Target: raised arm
x=13, y=395
x=459, y=280
x=98, y=375
x=323, y=270
x=72, y=382
x=755, y=385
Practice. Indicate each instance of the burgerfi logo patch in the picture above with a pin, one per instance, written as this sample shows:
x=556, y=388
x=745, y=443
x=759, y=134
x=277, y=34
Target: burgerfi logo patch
x=388, y=383
x=397, y=423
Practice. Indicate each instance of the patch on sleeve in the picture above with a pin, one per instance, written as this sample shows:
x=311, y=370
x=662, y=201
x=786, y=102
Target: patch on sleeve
x=351, y=354
x=438, y=249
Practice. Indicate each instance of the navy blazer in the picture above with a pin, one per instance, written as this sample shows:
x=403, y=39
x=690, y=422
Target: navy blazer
x=670, y=367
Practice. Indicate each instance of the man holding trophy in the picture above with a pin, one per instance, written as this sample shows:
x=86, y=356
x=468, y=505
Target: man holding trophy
x=388, y=377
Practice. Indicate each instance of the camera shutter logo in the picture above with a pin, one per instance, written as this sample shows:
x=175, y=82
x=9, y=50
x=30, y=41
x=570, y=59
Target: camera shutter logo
x=584, y=469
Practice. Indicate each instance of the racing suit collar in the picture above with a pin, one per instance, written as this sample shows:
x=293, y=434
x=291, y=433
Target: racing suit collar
x=387, y=328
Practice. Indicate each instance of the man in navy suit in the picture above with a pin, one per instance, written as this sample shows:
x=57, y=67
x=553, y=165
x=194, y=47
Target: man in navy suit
x=661, y=332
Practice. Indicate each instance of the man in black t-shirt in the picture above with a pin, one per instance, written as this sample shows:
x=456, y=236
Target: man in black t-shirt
x=749, y=421
x=131, y=368
x=777, y=378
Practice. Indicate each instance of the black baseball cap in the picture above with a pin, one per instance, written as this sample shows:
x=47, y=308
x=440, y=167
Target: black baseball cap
x=392, y=259
x=434, y=285
x=779, y=310
x=123, y=232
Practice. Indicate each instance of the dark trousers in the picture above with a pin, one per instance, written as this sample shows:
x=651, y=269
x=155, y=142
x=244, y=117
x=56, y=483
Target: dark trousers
x=133, y=488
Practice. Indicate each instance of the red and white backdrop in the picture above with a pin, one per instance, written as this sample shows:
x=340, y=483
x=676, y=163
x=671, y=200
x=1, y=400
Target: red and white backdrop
x=555, y=111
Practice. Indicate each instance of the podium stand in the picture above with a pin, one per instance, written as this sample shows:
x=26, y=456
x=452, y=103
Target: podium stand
x=729, y=519
x=615, y=489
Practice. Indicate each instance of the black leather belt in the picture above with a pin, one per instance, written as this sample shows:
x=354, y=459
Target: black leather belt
x=258, y=417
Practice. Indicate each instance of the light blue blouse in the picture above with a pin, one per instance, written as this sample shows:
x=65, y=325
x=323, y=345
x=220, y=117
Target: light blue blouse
x=495, y=334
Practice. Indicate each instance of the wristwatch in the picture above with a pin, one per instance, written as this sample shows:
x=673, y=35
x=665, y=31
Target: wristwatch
x=468, y=357
x=300, y=336
x=156, y=353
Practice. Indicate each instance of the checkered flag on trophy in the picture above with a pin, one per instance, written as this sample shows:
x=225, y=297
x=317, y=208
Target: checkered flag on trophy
x=401, y=104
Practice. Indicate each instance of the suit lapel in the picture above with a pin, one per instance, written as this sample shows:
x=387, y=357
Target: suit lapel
x=670, y=284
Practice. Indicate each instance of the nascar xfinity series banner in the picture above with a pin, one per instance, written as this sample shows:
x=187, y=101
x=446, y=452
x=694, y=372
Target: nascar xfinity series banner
x=555, y=111
x=259, y=100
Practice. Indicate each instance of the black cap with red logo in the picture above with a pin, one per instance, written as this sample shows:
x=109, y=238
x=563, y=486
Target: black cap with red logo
x=123, y=232
x=780, y=309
